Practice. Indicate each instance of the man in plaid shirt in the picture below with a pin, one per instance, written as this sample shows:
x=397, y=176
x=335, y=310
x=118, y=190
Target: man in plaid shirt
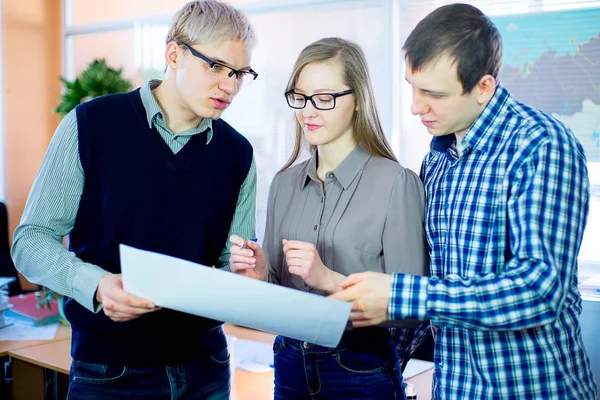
x=507, y=203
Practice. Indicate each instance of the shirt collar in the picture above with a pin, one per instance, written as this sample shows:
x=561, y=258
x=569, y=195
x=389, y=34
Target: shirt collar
x=345, y=173
x=441, y=144
x=479, y=136
x=154, y=112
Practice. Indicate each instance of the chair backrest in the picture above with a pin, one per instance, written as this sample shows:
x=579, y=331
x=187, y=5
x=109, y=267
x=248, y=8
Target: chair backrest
x=7, y=267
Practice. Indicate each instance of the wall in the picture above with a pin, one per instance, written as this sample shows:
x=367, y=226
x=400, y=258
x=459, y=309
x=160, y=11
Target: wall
x=32, y=61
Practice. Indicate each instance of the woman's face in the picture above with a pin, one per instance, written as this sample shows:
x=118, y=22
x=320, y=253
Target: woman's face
x=322, y=127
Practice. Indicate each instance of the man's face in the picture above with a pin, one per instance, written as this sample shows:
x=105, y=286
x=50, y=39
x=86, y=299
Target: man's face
x=439, y=100
x=201, y=93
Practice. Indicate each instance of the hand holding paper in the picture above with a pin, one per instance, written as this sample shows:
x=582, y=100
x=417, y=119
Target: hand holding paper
x=370, y=294
x=196, y=289
x=119, y=305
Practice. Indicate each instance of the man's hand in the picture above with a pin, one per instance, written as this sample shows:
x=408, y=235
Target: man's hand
x=303, y=260
x=370, y=294
x=249, y=261
x=119, y=305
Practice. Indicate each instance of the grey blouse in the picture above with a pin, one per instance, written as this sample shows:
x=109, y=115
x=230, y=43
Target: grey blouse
x=367, y=216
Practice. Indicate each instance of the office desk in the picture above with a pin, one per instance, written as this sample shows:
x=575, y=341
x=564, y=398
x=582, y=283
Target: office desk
x=252, y=386
x=422, y=384
x=63, y=333
x=45, y=362
x=37, y=363
x=8, y=346
x=249, y=385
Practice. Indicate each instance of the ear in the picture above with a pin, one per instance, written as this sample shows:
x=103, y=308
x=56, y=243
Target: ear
x=486, y=87
x=172, y=54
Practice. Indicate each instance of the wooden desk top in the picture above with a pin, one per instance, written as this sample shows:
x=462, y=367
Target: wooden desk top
x=246, y=386
x=250, y=385
x=55, y=355
x=63, y=333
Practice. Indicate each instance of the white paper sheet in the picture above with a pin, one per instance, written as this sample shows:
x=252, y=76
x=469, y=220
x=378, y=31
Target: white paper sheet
x=18, y=331
x=192, y=288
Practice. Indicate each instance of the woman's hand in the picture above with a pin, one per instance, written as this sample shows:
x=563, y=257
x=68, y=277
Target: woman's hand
x=304, y=260
x=247, y=258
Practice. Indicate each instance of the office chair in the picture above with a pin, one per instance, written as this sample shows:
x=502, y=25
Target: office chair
x=7, y=268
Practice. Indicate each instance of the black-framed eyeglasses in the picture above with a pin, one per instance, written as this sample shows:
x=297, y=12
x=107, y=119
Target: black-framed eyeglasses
x=320, y=101
x=222, y=71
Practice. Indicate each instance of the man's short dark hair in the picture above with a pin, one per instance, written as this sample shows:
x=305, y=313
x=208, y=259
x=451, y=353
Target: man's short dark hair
x=461, y=32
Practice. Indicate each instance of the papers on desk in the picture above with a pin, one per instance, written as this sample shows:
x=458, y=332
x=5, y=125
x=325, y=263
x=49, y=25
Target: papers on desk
x=192, y=288
x=253, y=356
x=415, y=367
x=18, y=331
x=4, y=300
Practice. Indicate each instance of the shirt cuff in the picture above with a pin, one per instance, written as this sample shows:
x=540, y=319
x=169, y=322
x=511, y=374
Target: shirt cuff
x=85, y=284
x=408, y=297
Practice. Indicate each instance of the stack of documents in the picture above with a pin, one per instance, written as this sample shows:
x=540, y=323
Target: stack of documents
x=25, y=309
x=4, y=300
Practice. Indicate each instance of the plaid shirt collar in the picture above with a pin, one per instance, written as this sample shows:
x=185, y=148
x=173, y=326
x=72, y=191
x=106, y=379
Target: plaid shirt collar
x=479, y=136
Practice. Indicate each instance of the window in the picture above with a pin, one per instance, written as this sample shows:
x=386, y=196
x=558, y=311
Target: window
x=259, y=112
x=554, y=70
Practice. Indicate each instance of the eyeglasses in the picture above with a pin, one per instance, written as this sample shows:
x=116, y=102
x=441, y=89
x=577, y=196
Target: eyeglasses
x=320, y=101
x=222, y=71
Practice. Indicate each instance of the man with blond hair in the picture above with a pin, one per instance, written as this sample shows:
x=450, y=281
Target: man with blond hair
x=157, y=169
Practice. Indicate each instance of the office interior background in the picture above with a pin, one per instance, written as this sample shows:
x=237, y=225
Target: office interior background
x=551, y=61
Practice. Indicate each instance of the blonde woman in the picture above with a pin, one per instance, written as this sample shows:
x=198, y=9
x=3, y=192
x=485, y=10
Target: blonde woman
x=350, y=207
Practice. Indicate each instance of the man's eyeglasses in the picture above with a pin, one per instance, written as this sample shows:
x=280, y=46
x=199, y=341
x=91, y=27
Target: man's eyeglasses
x=222, y=71
x=321, y=101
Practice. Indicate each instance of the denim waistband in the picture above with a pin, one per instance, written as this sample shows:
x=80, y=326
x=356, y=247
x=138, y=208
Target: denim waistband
x=368, y=339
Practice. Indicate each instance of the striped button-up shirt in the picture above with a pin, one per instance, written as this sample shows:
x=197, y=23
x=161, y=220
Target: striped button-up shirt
x=53, y=203
x=504, y=223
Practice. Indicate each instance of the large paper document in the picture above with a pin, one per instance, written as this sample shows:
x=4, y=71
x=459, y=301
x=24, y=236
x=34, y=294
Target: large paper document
x=196, y=289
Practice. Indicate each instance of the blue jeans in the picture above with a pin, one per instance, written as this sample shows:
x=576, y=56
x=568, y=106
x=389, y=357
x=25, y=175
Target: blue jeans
x=354, y=370
x=203, y=379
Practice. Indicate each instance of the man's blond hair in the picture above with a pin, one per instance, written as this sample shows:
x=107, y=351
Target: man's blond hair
x=211, y=22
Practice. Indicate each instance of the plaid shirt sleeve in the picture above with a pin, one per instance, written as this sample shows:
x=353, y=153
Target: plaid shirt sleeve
x=547, y=209
x=408, y=297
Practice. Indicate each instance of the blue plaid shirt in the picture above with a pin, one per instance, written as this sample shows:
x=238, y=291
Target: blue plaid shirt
x=504, y=224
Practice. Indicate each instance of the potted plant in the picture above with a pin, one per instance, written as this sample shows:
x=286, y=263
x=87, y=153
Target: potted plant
x=96, y=80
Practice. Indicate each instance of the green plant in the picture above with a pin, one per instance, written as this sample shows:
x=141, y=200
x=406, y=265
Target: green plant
x=44, y=300
x=96, y=80
x=44, y=297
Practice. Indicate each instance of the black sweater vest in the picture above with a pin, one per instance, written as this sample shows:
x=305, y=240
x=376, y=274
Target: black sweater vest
x=139, y=193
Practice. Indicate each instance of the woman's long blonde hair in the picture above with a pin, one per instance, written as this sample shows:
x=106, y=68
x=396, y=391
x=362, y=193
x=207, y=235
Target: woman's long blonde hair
x=366, y=126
